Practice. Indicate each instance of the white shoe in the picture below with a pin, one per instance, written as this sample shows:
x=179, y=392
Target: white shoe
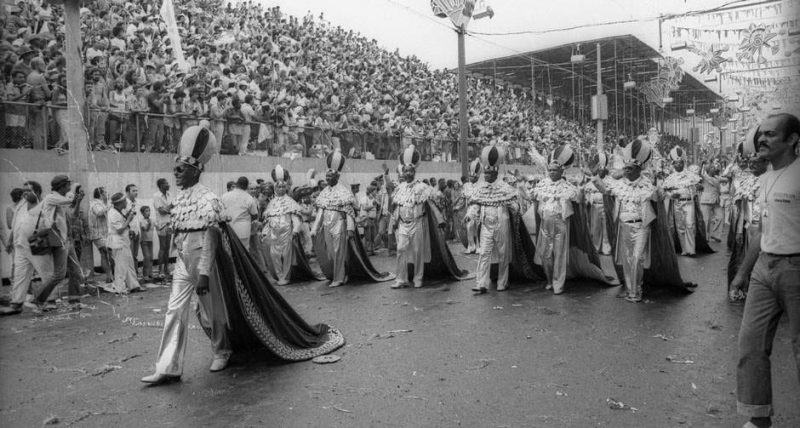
x=219, y=364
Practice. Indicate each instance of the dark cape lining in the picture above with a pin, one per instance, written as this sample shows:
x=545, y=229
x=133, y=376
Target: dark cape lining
x=357, y=263
x=301, y=269
x=700, y=240
x=258, y=316
x=442, y=264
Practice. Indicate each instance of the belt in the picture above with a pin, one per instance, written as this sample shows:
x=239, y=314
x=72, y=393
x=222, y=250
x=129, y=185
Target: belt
x=782, y=255
x=190, y=230
x=633, y=221
x=685, y=199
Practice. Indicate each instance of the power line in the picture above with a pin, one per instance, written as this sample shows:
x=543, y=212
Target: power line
x=622, y=21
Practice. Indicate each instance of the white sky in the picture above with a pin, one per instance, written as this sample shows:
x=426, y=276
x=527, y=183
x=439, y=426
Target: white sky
x=410, y=25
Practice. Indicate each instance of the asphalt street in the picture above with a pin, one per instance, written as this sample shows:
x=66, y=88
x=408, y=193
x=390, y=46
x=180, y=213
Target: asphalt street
x=431, y=357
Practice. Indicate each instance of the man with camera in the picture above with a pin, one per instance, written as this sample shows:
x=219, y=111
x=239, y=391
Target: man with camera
x=53, y=215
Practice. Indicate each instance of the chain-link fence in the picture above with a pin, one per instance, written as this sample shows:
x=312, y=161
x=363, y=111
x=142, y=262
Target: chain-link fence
x=42, y=126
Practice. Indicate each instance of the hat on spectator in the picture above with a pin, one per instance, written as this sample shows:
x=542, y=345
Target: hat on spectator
x=58, y=181
x=117, y=198
x=637, y=153
x=561, y=156
x=491, y=157
x=335, y=160
x=197, y=146
x=279, y=174
x=25, y=50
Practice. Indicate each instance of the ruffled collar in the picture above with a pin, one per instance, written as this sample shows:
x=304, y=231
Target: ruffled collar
x=638, y=190
x=196, y=208
x=493, y=193
x=549, y=189
x=408, y=194
x=282, y=205
x=335, y=197
x=681, y=180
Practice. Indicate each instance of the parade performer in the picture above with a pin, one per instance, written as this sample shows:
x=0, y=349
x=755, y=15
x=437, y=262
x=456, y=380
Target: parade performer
x=745, y=228
x=563, y=232
x=637, y=230
x=494, y=207
x=420, y=238
x=285, y=258
x=339, y=250
x=470, y=231
x=685, y=222
x=237, y=306
x=596, y=208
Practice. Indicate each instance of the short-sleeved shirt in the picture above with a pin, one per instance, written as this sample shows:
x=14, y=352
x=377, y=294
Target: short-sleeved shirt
x=116, y=239
x=161, y=221
x=779, y=195
x=240, y=207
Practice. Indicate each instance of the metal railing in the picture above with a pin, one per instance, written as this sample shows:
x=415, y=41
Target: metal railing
x=41, y=126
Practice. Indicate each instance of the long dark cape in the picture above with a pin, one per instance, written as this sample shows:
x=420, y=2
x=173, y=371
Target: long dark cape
x=700, y=240
x=579, y=235
x=357, y=263
x=301, y=269
x=738, y=249
x=664, y=270
x=442, y=264
x=258, y=316
x=522, y=267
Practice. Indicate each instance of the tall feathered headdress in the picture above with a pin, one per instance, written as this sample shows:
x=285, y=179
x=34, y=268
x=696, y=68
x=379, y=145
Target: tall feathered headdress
x=562, y=156
x=410, y=156
x=491, y=158
x=637, y=153
x=335, y=160
x=279, y=174
x=475, y=167
x=748, y=148
x=677, y=154
x=197, y=146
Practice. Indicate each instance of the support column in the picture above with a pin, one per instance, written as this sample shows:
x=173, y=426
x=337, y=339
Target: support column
x=77, y=134
x=599, y=92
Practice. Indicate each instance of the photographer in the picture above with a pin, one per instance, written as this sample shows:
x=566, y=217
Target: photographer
x=120, y=244
x=53, y=215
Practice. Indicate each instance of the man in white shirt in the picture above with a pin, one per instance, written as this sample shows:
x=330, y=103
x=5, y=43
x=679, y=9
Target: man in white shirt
x=162, y=204
x=26, y=213
x=242, y=210
x=773, y=268
x=120, y=218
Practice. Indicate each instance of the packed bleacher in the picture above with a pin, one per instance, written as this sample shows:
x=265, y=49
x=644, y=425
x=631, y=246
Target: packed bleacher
x=269, y=83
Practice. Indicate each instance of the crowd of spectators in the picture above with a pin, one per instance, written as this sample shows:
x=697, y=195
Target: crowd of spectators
x=268, y=82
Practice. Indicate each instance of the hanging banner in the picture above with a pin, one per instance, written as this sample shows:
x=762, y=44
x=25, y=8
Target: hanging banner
x=168, y=15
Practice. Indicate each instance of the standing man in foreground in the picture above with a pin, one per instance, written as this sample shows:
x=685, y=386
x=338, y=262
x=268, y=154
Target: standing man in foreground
x=773, y=268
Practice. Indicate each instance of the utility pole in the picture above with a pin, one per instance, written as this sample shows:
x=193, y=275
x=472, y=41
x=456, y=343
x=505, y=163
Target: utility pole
x=463, y=126
x=77, y=135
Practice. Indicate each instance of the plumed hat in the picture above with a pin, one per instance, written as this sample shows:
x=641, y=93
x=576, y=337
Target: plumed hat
x=279, y=174
x=400, y=169
x=749, y=147
x=335, y=160
x=602, y=159
x=637, y=153
x=475, y=167
x=310, y=174
x=561, y=156
x=491, y=158
x=677, y=154
x=197, y=146
x=410, y=156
